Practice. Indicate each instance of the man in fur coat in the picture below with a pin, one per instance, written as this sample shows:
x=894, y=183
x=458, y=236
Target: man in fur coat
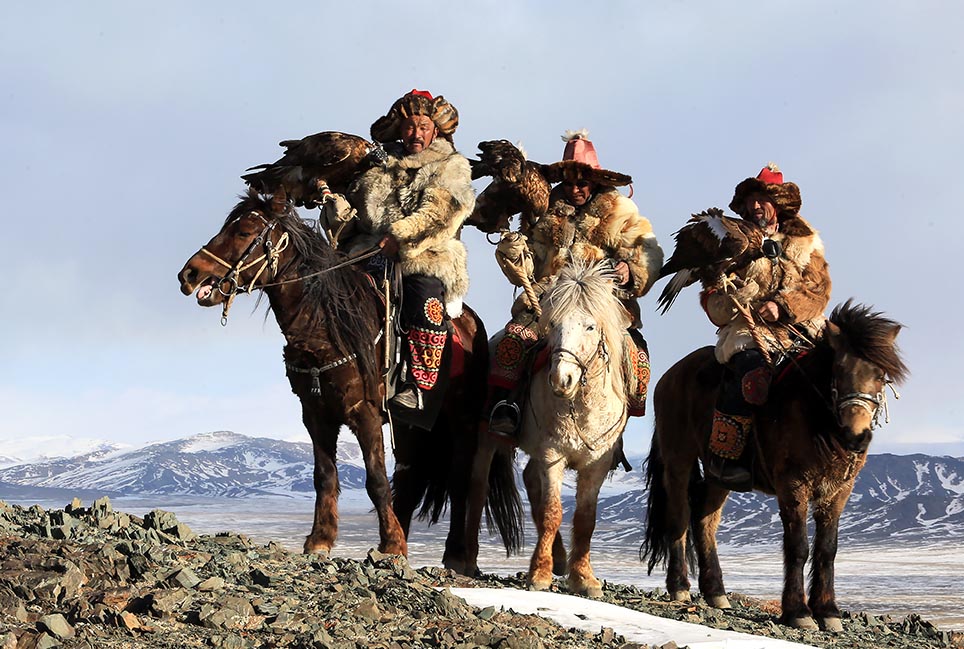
x=413, y=207
x=588, y=221
x=789, y=288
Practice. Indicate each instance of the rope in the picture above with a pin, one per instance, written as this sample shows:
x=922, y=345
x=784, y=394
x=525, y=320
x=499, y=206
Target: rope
x=758, y=338
x=515, y=267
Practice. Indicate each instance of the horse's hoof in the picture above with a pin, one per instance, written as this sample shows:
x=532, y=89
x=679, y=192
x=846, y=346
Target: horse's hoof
x=718, y=601
x=559, y=569
x=803, y=623
x=539, y=585
x=458, y=567
x=321, y=553
x=830, y=624
x=680, y=596
x=593, y=592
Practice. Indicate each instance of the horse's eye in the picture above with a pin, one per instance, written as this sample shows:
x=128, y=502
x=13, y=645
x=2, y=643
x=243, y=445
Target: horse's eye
x=591, y=327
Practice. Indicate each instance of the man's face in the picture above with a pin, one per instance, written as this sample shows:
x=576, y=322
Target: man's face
x=759, y=209
x=418, y=132
x=577, y=192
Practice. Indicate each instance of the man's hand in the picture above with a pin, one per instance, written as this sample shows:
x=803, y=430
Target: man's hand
x=389, y=246
x=622, y=272
x=769, y=311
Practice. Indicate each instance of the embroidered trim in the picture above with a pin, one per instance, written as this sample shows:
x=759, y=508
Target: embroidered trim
x=434, y=311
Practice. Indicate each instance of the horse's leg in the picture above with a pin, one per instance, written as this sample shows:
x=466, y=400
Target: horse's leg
x=365, y=421
x=324, y=438
x=410, y=479
x=460, y=439
x=478, y=492
x=793, y=513
x=823, y=600
x=533, y=483
x=547, y=514
x=582, y=581
x=706, y=520
x=676, y=484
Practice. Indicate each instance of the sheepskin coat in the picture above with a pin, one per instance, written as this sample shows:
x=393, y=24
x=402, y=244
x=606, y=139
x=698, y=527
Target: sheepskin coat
x=798, y=282
x=608, y=226
x=422, y=200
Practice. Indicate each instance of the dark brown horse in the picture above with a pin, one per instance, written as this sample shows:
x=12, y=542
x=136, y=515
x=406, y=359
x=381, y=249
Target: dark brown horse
x=331, y=317
x=811, y=441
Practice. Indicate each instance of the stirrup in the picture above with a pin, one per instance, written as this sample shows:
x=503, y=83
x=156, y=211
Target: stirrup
x=504, y=419
x=728, y=473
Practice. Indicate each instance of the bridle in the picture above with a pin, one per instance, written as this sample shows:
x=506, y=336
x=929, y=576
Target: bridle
x=229, y=285
x=872, y=403
x=601, y=351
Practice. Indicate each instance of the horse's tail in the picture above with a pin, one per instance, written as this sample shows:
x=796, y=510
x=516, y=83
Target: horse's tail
x=504, y=506
x=654, y=545
x=654, y=542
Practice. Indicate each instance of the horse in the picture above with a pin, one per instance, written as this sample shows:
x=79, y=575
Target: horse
x=331, y=317
x=575, y=414
x=811, y=441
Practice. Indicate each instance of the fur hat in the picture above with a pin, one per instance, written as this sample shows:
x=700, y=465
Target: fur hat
x=579, y=162
x=417, y=102
x=785, y=196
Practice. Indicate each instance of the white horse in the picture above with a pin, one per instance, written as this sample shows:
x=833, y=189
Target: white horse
x=575, y=413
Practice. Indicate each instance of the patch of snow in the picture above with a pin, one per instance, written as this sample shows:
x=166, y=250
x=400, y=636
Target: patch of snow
x=590, y=615
x=211, y=441
x=947, y=480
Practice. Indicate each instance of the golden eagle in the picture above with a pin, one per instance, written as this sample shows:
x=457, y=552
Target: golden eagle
x=518, y=187
x=329, y=158
x=708, y=247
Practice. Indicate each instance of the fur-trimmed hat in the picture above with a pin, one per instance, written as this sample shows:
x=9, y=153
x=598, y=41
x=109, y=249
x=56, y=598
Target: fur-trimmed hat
x=579, y=162
x=417, y=102
x=785, y=196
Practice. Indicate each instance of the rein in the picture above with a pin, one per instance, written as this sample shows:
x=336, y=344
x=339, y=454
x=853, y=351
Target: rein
x=268, y=260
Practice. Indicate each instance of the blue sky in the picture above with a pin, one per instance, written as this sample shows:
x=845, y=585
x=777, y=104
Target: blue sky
x=124, y=128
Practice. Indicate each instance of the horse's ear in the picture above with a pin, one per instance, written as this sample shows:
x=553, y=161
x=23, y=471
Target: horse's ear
x=832, y=333
x=279, y=202
x=892, y=334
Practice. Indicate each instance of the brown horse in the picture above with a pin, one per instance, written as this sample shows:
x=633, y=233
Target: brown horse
x=811, y=441
x=331, y=318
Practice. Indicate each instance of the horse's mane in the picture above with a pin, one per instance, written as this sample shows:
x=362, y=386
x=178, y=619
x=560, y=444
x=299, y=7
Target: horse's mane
x=338, y=301
x=589, y=289
x=870, y=335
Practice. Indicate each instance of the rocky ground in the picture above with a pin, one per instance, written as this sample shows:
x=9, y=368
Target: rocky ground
x=95, y=577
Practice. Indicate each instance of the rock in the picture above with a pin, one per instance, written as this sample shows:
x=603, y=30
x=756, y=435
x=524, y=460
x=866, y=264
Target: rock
x=183, y=577
x=211, y=584
x=56, y=625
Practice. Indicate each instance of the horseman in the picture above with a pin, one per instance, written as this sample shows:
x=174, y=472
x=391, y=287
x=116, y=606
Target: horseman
x=413, y=207
x=588, y=221
x=783, y=294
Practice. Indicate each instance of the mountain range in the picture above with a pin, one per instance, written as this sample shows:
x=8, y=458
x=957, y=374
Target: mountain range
x=913, y=499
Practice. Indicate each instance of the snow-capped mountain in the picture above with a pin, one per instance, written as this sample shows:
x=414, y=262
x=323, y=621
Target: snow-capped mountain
x=918, y=498
x=913, y=498
x=208, y=464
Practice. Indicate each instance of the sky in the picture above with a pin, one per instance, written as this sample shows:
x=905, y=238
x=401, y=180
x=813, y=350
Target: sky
x=124, y=128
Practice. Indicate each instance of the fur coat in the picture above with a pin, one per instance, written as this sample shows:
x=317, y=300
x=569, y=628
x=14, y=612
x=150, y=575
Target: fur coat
x=608, y=226
x=798, y=282
x=422, y=200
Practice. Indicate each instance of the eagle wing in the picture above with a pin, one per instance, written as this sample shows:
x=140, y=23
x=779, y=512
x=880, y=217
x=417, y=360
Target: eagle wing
x=330, y=157
x=518, y=187
x=708, y=246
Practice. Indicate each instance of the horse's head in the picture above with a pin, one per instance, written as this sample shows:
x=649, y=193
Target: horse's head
x=582, y=323
x=865, y=361
x=245, y=254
